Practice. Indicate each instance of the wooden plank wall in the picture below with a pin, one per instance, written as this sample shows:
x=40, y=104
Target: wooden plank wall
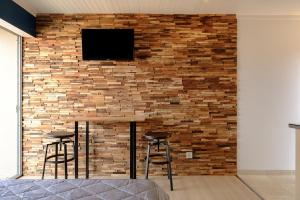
x=183, y=76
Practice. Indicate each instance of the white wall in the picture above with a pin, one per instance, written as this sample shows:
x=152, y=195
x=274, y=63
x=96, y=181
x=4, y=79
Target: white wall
x=8, y=102
x=268, y=91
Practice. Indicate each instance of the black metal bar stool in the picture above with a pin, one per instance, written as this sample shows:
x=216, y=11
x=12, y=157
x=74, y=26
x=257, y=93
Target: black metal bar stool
x=159, y=139
x=62, y=139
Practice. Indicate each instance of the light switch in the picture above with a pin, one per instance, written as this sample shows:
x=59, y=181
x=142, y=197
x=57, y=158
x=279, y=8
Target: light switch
x=189, y=155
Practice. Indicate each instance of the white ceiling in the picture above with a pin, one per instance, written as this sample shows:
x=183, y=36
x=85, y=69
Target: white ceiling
x=242, y=7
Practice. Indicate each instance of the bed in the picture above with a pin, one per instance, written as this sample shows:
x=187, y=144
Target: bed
x=81, y=189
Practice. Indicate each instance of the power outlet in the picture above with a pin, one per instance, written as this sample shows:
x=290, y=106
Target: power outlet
x=189, y=155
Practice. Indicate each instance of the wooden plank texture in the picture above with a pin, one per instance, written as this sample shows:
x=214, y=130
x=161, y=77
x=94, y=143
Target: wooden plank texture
x=183, y=78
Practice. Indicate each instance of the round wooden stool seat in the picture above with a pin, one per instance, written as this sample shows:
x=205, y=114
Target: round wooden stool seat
x=60, y=135
x=157, y=135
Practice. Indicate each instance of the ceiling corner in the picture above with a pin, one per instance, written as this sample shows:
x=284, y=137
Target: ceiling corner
x=27, y=6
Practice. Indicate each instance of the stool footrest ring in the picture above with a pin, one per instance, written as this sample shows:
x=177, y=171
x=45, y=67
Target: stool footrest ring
x=59, y=156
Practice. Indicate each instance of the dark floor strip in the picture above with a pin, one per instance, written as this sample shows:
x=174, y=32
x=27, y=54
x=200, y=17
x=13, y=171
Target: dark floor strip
x=250, y=188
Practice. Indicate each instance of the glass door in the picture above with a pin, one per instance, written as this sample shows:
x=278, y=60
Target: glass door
x=10, y=90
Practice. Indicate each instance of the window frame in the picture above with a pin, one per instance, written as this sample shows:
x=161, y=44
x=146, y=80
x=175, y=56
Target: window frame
x=19, y=130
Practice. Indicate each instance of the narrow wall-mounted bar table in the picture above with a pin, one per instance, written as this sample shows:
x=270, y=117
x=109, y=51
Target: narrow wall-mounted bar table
x=297, y=173
x=107, y=120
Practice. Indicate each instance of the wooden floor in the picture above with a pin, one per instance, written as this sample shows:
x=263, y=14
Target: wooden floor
x=201, y=187
x=206, y=188
x=272, y=187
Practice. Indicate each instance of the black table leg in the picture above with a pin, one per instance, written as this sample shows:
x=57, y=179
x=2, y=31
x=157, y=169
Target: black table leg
x=76, y=150
x=132, y=150
x=87, y=144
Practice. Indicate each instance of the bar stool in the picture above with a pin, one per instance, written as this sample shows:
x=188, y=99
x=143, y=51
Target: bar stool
x=159, y=139
x=61, y=139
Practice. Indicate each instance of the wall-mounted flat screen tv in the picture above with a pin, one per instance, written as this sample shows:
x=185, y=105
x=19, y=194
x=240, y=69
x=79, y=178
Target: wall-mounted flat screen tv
x=107, y=44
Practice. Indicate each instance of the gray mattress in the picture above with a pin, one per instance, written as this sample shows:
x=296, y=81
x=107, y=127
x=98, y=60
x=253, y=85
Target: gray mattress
x=81, y=189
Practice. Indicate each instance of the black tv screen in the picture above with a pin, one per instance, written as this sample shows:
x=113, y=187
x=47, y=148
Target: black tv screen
x=107, y=44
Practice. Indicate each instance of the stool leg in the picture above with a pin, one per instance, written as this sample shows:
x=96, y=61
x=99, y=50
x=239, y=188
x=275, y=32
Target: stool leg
x=60, y=142
x=147, y=161
x=45, y=160
x=65, y=159
x=169, y=167
x=56, y=159
x=167, y=158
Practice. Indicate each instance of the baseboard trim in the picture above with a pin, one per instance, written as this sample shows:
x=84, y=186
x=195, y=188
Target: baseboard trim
x=266, y=172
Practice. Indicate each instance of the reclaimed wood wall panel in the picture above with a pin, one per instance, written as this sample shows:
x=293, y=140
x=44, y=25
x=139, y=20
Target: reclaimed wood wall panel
x=183, y=77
